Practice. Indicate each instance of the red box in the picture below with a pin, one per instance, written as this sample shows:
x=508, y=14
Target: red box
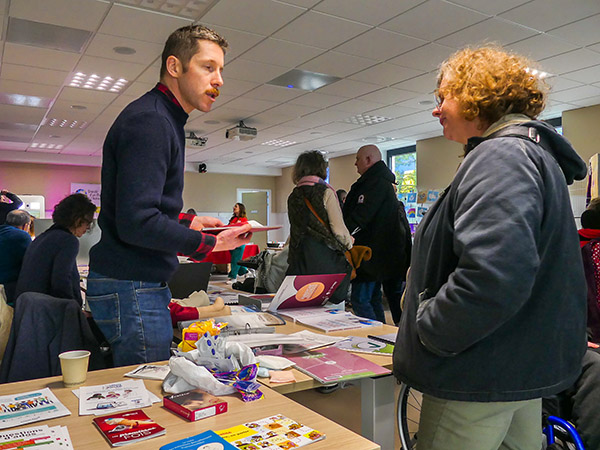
x=195, y=405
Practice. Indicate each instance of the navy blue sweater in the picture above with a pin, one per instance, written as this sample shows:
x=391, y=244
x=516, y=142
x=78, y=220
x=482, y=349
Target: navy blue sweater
x=142, y=182
x=13, y=244
x=50, y=265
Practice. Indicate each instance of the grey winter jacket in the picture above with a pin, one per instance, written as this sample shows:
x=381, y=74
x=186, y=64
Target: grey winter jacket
x=496, y=297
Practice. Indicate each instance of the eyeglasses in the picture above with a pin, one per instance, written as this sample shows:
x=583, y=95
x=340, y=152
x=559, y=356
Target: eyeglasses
x=438, y=98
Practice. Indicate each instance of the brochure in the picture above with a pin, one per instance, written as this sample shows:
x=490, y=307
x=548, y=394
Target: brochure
x=209, y=440
x=128, y=427
x=256, y=226
x=27, y=407
x=149, y=372
x=195, y=404
x=298, y=342
x=329, y=319
x=52, y=438
x=389, y=338
x=271, y=433
x=331, y=365
x=365, y=345
x=119, y=396
x=302, y=291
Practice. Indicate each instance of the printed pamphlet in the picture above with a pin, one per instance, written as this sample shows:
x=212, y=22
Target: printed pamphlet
x=119, y=396
x=331, y=365
x=209, y=440
x=28, y=407
x=271, y=433
x=303, y=291
x=51, y=438
x=365, y=345
x=127, y=427
x=328, y=319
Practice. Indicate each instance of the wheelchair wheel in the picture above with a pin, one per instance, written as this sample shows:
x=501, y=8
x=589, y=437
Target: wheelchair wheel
x=560, y=434
x=408, y=411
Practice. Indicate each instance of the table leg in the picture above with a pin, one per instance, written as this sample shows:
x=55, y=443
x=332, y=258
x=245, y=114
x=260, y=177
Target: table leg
x=378, y=410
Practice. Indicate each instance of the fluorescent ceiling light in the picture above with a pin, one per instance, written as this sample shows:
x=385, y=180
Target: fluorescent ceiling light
x=366, y=119
x=303, y=79
x=94, y=81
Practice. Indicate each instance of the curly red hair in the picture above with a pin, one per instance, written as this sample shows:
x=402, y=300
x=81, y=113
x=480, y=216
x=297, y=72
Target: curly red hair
x=490, y=82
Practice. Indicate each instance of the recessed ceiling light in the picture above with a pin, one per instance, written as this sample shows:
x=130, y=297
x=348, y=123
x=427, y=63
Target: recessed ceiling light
x=124, y=50
x=316, y=132
x=426, y=102
x=80, y=107
x=38, y=34
x=377, y=139
x=94, y=81
x=366, y=119
x=24, y=100
x=303, y=79
x=279, y=143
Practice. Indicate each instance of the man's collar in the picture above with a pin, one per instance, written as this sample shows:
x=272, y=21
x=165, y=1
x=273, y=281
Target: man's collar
x=165, y=90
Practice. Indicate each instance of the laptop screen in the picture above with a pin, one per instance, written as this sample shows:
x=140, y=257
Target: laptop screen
x=190, y=277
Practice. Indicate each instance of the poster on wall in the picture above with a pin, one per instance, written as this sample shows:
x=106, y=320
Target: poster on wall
x=89, y=189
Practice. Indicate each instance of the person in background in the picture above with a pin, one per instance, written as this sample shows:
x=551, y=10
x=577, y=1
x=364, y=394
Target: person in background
x=237, y=254
x=50, y=263
x=8, y=202
x=143, y=161
x=341, y=195
x=318, y=236
x=373, y=216
x=191, y=211
x=14, y=240
x=494, y=310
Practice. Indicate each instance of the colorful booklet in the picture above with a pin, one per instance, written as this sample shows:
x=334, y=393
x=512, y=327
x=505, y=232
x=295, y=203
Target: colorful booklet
x=209, y=440
x=302, y=291
x=365, y=345
x=27, y=407
x=271, y=433
x=331, y=365
x=194, y=405
x=328, y=319
x=51, y=438
x=127, y=427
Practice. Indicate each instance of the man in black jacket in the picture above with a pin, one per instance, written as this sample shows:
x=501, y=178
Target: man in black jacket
x=376, y=219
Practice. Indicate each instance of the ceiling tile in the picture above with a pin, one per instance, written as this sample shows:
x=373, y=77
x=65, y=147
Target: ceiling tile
x=393, y=111
x=425, y=58
x=262, y=16
x=545, y=15
x=153, y=27
x=62, y=109
x=292, y=111
x=589, y=101
x=245, y=70
x=320, y=30
x=423, y=84
x=82, y=14
x=22, y=114
x=250, y=105
x=239, y=41
x=491, y=30
x=137, y=89
x=38, y=57
x=274, y=93
x=584, y=32
x=355, y=106
x=288, y=54
x=578, y=93
x=541, y=46
x=490, y=7
x=385, y=74
x=388, y=96
x=26, y=88
x=380, y=44
x=103, y=45
x=303, y=3
x=84, y=96
x=235, y=87
x=441, y=18
x=558, y=84
x=366, y=12
x=348, y=88
x=586, y=76
x=109, y=67
x=318, y=99
x=569, y=62
x=33, y=74
x=44, y=35
x=337, y=64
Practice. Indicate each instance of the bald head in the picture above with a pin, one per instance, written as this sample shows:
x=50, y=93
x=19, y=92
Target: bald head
x=18, y=219
x=366, y=156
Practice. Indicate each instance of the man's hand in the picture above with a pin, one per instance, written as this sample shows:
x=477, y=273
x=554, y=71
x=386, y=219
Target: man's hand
x=233, y=238
x=199, y=222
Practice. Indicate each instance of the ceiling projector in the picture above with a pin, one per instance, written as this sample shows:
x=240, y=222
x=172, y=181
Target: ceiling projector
x=195, y=140
x=241, y=132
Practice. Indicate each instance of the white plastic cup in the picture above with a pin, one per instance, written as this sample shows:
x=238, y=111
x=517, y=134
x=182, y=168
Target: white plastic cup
x=74, y=367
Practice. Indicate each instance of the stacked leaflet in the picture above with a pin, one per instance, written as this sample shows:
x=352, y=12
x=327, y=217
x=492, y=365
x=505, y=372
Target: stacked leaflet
x=27, y=407
x=109, y=398
x=328, y=319
x=51, y=438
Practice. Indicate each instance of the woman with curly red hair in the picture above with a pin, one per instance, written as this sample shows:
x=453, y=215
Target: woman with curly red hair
x=494, y=313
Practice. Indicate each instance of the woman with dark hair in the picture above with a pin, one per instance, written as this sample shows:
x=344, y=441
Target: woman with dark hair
x=238, y=218
x=318, y=235
x=50, y=265
x=494, y=309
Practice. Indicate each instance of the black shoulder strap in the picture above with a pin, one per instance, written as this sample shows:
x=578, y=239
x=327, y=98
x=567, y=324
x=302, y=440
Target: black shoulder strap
x=517, y=131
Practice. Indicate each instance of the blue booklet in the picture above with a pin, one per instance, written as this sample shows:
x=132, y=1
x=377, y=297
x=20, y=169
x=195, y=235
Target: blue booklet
x=209, y=440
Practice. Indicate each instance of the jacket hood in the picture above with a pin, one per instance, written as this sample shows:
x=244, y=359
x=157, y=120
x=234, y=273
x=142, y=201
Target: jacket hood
x=569, y=161
x=378, y=170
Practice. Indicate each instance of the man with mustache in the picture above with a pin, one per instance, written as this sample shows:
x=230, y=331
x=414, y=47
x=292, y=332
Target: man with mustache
x=142, y=183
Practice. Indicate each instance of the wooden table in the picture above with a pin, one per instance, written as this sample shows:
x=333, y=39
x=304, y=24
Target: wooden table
x=85, y=435
x=378, y=402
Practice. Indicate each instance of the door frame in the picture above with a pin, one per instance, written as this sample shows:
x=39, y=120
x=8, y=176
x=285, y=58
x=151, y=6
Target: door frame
x=240, y=191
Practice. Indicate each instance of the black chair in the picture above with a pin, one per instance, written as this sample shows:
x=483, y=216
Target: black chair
x=190, y=277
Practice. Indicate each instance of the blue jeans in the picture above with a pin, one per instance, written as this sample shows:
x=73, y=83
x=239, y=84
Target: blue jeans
x=133, y=316
x=236, y=255
x=366, y=300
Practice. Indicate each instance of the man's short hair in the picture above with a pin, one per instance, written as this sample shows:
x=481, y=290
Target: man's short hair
x=18, y=218
x=183, y=44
